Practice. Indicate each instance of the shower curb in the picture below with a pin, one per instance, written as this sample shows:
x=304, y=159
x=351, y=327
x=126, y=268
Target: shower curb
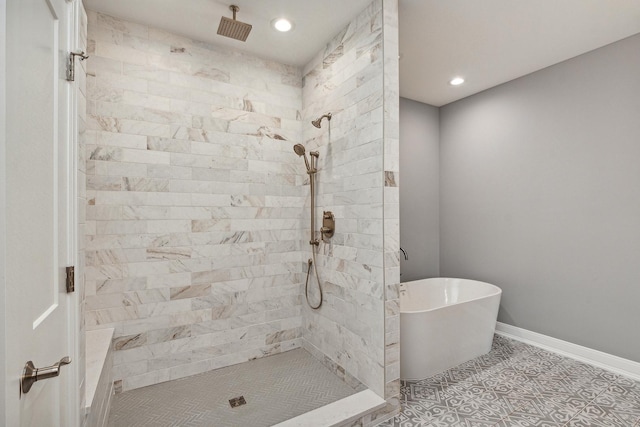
x=338, y=413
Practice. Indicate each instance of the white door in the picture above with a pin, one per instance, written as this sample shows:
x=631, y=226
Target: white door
x=38, y=210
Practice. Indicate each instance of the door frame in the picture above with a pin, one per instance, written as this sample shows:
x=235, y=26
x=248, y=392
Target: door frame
x=77, y=372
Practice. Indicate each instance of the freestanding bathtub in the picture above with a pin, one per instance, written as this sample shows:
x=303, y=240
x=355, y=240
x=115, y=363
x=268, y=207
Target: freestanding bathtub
x=443, y=323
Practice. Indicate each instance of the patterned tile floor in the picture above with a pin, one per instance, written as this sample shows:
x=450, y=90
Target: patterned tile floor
x=518, y=385
x=276, y=388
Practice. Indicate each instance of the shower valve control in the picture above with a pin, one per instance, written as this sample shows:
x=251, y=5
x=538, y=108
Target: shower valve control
x=328, y=224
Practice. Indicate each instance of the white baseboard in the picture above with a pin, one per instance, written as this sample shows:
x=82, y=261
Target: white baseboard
x=597, y=358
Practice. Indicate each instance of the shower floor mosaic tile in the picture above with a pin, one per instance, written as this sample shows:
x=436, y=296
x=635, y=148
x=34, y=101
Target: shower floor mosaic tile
x=275, y=388
x=518, y=385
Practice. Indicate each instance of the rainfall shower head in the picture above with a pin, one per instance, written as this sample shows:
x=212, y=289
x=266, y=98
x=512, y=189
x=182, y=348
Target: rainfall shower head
x=317, y=121
x=232, y=28
x=300, y=151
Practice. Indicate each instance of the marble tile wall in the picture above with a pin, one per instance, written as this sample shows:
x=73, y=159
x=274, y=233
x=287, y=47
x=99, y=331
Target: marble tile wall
x=346, y=79
x=197, y=216
x=194, y=203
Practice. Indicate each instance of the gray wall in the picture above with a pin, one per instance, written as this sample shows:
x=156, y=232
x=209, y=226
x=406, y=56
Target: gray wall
x=540, y=194
x=419, y=221
x=3, y=183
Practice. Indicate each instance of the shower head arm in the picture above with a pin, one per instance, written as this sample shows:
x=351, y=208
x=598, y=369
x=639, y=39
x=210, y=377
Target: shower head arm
x=317, y=122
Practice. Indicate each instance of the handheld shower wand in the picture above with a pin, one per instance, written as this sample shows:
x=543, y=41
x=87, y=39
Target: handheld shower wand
x=328, y=220
x=311, y=170
x=300, y=151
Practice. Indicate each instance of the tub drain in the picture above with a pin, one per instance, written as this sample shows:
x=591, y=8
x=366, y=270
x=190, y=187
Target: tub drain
x=237, y=401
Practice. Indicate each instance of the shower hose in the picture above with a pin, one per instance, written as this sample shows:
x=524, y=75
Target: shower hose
x=313, y=263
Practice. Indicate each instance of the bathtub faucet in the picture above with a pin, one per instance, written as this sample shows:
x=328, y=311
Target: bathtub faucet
x=406, y=258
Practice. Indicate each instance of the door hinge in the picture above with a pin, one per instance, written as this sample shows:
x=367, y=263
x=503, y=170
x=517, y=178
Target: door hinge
x=71, y=279
x=71, y=65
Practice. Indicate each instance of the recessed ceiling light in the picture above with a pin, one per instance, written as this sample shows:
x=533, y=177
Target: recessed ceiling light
x=456, y=81
x=282, y=24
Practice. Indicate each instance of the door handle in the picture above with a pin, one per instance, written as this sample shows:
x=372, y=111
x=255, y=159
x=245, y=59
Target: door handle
x=31, y=374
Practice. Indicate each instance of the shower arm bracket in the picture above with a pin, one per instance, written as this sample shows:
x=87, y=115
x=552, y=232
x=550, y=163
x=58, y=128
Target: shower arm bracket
x=314, y=156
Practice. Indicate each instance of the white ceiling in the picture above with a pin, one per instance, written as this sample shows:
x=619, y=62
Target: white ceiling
x=316, y=22
x=488, y=42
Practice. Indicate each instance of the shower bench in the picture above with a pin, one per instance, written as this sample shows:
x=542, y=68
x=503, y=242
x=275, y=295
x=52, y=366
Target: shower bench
x=98, y=376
